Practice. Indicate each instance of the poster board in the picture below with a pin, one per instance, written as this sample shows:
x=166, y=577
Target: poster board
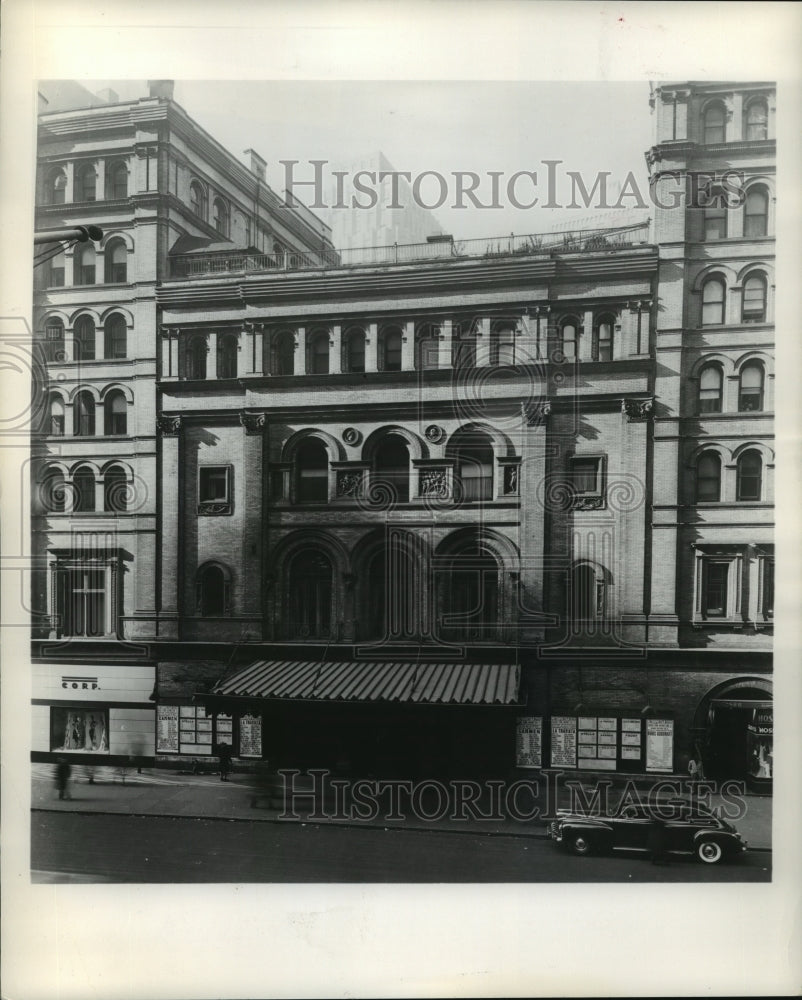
x=529, y=741
x=660, y=745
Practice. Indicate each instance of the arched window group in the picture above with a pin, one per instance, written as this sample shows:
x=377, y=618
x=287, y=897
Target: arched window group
x=310, y=595
x=85, y=182
x=468, y=593
x=115, y=257
x=751, y=382
x=115, y=339
x=84, y=410
x=113, y=265
x=81, y=489
x=221, y=217
x=748, y=477
x=753, y=304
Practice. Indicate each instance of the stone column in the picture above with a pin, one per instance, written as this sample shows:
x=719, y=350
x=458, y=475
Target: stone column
x=211, y=356
x=336, y=349
x=69, y=188
x=372, y=348
x=254, y=516
x=100, y=494
x=585, y=346
x=166, y=356
x=167, y=621
x=533, y=523
x=483, y=342
x=100, y=180
x=446, y=344
x=299, y=359
x=408, y=346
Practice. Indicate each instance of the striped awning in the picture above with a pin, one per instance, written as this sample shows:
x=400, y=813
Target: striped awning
x=421, y=683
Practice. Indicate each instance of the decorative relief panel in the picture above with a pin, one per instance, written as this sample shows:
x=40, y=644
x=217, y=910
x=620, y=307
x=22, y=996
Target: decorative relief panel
x=434, y=483
x=350, y=484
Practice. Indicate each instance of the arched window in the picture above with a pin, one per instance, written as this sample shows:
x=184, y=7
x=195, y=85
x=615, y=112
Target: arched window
x=54, y=274
x=57, y=426
x=54, y=492
x=715, y=217
x=753, y=309
x=355, y=350
x=749, y=476
x=319, y=354
x=710, y=383
x=390, y=349
x=226, y=356
x=197, y=199
x=84, y=415
x=502, y=344
x=84, y=336
x=603, y=341
x=221, y=216
x=588, y=598
x=473, y=471
x=708, y=478
x=714, y=123
x=84, y=265
x=569, y=338
x=197, y=351
x=283, y=360
x=387, y=610
x=116, y=181
x=83, y=483
x=56, y=187
x=427, y=347
x=312, y=472
x=310, y=594
x=756, y=212
x=713, y=302
x=115, y=336
x=115, y=413
x=86, y=183
x=212, y=592
x=756, y=120
x=115, y=490
x=391, y=467
x=750, y=387
x=116, y=260
x=469, y=595
x=54, y=340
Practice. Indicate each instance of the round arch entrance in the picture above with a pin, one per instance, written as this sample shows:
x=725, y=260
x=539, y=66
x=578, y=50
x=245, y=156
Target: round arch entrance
x=734, y=724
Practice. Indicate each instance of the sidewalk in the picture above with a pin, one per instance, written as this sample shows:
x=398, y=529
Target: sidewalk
x=168, y=793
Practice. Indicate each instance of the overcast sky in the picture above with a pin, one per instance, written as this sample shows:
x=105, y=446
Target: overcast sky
x=440, y=126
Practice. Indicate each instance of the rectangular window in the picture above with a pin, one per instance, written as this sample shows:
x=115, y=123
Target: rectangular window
x=586, y=476
x=714, y=598
x=214, y=489
x=715, y=223
x=766, y=592
x=84, y=598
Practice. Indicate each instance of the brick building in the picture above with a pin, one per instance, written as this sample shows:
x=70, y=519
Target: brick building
x=146, y=174
x=467, y=513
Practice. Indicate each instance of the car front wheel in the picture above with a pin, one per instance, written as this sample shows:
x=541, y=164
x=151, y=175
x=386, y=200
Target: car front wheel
x=709, y=852
x=580, y=844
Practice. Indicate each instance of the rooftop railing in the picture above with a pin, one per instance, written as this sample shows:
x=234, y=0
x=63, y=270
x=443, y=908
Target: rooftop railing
x=577, y=241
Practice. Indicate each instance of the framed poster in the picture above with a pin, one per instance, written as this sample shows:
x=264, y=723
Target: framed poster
x=660, y=745
x=528, y=741
x=563, y=741
x=167, y=729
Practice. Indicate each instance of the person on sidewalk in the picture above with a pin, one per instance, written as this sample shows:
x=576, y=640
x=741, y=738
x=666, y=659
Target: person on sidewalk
x=63, y=771
x=224, y=753
x=658, y=841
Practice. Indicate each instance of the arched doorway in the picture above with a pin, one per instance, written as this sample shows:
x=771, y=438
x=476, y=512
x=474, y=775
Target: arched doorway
x=734, y=725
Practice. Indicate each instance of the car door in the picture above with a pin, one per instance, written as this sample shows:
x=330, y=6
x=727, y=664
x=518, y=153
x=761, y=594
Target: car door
x=631, y=829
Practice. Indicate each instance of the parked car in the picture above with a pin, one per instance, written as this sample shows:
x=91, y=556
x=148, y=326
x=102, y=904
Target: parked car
x=689, y=828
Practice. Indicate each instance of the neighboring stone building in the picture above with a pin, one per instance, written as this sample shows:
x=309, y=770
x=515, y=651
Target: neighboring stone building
x=152, y=180
x=468, y=513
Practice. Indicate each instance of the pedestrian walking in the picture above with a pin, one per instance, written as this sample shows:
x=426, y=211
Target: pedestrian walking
x=696, y=770
x=63, y=771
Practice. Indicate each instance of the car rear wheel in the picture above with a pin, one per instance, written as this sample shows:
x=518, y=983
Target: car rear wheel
x=580, y=844
x=709, y=852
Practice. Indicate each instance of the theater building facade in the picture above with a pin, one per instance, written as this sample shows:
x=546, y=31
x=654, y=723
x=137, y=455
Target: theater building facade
x=476, y=508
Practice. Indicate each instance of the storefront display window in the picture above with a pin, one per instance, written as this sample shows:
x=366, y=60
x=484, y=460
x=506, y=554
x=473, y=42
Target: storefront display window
x=79, y=730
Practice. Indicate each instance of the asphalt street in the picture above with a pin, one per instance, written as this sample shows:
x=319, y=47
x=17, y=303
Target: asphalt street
x=81, y=847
